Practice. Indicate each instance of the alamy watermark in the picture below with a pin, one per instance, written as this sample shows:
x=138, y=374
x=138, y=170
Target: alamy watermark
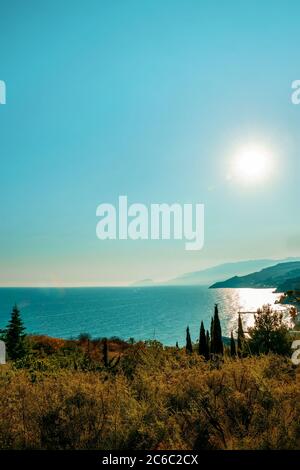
x=296, y=354
x=158, y=222
x=2, y=92
x=295, y=96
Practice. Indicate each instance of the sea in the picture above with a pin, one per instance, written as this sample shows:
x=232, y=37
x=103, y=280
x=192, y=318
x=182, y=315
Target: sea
x=159, y=313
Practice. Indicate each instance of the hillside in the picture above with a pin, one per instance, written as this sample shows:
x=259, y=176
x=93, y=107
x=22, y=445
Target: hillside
x=282, y=277
x=224, y=271
x=290, y=285
x=155, y=398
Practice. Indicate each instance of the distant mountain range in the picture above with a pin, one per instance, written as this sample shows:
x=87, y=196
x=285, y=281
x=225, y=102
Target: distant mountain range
x=283, y=276
x=224, y=271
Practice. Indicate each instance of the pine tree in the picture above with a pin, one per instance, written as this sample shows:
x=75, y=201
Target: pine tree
x=189, y=347
x=232, y=346
x=217, y=333
x=270, y=333
x=202, y=341
x=15, y=336
x=241, y=337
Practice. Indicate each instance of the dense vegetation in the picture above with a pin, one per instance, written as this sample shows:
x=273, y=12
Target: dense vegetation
x=110, y=394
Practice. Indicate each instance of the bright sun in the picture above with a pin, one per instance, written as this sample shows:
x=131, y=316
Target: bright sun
x=251, y=163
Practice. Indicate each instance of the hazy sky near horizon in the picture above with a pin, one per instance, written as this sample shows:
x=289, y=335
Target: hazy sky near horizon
x=151, y=99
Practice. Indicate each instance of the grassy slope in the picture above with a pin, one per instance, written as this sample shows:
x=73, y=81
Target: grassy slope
x=155, y=398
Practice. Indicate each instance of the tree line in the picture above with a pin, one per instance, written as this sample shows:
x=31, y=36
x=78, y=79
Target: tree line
x=269, y=334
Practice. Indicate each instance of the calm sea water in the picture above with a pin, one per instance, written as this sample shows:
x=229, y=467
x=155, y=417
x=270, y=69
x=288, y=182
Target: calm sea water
x=160, y=313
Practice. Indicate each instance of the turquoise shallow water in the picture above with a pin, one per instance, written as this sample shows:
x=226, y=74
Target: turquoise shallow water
x=139, y=312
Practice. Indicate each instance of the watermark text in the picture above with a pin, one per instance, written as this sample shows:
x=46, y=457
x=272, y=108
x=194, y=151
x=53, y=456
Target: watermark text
x=158, y=222
x=295, y=97
x=2, y=92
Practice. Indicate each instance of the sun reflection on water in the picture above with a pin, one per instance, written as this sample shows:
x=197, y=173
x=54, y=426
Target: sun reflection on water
x=247, y=301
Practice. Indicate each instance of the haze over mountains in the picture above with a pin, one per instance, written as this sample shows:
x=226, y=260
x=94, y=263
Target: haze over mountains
x=225, y=271
x=143, y=283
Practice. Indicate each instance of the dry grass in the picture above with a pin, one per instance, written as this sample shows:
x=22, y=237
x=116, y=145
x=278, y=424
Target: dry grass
x=155, y=399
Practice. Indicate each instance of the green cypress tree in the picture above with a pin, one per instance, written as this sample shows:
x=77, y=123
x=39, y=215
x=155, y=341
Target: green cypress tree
x=207, y=344
x=232, y=346
x=105, y=352
x=15, y=336
x=240, y=338
x=218, y=343
x=189, y=347
x=212, y=336
x=202, y=341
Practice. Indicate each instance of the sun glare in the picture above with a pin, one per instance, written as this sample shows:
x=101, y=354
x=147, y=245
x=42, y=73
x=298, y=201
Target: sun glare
x=251, y=164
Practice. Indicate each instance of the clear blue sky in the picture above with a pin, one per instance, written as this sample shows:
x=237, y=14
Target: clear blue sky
x=148, y=99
